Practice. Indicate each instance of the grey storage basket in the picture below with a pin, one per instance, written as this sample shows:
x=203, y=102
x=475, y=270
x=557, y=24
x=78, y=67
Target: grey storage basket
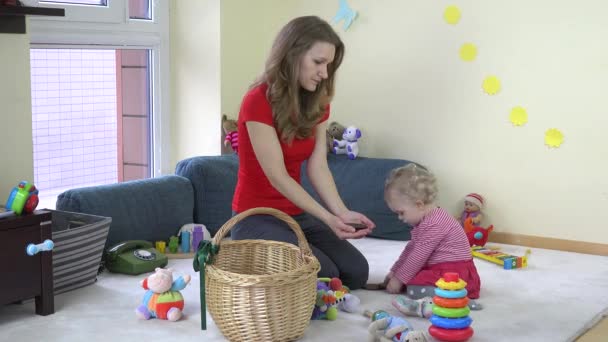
x=79, y=244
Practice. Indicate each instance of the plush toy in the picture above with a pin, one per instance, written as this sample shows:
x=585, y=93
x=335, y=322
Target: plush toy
x=387, y=328
x=348, y=145
x=162, y=299
x=331, y=296
x=334, y=131
x=477, y=236
x=473, y=203
x=232, y=135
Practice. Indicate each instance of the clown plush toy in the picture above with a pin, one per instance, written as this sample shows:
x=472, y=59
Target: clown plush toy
x=162, y=299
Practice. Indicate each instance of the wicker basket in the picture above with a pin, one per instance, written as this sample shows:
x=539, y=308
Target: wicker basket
x=260, y=290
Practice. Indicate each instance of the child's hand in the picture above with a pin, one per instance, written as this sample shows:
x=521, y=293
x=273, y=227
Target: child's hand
x=394, y=286
x=388, y=277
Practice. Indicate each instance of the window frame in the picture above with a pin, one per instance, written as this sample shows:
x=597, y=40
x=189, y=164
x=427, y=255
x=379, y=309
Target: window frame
x=79, y=33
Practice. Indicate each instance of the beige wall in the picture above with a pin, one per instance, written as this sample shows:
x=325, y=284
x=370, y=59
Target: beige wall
x=195, y=78
x=402, y=65
x=16, y=147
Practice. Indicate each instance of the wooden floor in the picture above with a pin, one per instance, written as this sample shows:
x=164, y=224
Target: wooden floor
x=599, y=333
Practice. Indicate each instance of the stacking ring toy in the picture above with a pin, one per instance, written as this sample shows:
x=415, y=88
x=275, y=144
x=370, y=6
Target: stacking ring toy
x=451, y=303
x=451, y=335
x=451, y=294
x=451, y=313
x=451, y=285
x=451, y=323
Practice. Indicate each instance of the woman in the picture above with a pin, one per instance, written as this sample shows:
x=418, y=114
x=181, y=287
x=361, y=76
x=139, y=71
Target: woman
x=282, y=123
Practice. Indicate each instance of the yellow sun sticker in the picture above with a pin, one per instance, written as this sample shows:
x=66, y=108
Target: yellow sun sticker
x=554, y=137
x=518, y=116
x=491, y=85
x=468, y=52
x=452, y=15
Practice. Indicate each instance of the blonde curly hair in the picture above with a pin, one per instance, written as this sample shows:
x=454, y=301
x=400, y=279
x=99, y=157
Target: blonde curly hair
x=414, y=182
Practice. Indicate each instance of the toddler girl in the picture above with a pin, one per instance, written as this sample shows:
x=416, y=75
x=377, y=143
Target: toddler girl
x=438, y=243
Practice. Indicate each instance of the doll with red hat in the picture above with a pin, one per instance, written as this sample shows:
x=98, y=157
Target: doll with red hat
x=473, y=203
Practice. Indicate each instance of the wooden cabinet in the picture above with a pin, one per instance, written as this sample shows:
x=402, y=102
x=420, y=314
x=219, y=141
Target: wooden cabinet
x=24, y=276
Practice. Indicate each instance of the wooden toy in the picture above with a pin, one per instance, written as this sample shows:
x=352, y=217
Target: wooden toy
x=494, y=255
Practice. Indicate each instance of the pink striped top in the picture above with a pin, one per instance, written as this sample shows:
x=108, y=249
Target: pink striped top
x=437, y=238
x=233, y=137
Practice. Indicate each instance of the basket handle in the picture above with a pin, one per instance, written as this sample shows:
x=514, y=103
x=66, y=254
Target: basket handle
x=302, y=242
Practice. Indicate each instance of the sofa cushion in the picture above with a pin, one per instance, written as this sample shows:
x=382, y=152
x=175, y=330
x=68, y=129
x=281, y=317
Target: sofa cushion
x=360, y=183
x=214, y=180
x=168, y=203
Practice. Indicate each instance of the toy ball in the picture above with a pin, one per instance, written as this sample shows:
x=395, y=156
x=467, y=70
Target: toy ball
x=335, y=284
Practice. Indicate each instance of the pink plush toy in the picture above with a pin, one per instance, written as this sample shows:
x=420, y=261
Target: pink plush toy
x=162, y=299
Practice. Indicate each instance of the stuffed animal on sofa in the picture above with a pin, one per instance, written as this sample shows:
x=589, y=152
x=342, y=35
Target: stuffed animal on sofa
x=331, y=296
x=162, y=299
x=334, y=131
x=388, y=328
x=348, y=145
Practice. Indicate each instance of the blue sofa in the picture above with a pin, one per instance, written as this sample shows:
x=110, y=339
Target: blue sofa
x=201, y=192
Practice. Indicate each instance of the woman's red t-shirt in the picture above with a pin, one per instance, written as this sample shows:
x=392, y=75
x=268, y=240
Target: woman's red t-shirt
x=253, y=189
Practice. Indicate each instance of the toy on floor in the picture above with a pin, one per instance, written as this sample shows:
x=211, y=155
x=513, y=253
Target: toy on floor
x=477, y=236
x=232, y=135
x=348, y=145
x=23, y=199
x=334, y=131
x=450, y=320
x=331, y=296
x=507, y=261
x=473, y=203
x=162, y=299
x=186, y=243
x=387, y=328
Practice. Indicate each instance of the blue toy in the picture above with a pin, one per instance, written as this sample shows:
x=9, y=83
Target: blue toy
x=388, y=328
x=32, y=249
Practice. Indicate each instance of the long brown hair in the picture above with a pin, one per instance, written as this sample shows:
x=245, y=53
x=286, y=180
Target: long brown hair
x=296, y=111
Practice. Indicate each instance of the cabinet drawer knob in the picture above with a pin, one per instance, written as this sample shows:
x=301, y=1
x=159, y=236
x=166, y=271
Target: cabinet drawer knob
x=32, y=249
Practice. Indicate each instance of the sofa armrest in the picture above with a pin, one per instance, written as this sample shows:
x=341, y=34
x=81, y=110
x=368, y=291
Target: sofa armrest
x=149, y=209
x=213, y=180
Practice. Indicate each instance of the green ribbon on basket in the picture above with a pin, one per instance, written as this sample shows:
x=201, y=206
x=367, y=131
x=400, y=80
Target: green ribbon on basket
x=204, y=255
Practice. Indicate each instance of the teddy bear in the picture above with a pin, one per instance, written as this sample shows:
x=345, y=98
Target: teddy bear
x=162, y=299
x=348, y=145
x=334, y=131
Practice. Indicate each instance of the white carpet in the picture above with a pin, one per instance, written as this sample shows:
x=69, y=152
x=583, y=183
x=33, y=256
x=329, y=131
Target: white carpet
x=551, y=300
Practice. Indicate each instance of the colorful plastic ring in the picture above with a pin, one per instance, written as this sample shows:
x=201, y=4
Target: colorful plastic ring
x=451, y=313
x=451, y=335
x=451, y=303
x=451, y=294
x=451, y=323
x=451, y=285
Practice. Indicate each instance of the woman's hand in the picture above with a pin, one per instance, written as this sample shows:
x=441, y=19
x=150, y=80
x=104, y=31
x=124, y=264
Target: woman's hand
x=344, y=231
x=355, y=217
x=394, y=286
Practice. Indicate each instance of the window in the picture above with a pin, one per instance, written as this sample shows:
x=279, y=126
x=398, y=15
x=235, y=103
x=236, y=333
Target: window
x=98, y=97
